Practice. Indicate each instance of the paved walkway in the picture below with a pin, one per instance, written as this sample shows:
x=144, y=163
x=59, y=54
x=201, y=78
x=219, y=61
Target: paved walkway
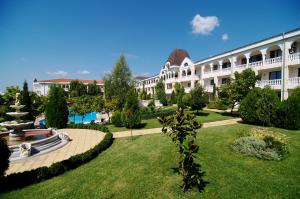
x=82, y=140
x=122, y=134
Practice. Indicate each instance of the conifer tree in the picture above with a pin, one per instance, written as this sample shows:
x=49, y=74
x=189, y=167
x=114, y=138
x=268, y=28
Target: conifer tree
x=26, y=100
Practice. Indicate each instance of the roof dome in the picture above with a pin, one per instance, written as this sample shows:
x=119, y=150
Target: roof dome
x=177, y=56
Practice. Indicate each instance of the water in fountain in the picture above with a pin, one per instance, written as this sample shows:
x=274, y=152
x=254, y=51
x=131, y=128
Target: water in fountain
x=17, y=126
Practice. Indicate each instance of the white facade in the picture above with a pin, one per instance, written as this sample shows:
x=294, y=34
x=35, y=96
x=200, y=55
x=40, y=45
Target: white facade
x=42, y=87
x=276, y=59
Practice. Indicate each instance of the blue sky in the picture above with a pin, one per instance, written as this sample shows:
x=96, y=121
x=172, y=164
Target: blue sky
x=83, y=38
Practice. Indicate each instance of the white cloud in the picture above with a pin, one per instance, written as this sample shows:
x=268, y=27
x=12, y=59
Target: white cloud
x=59, y=72
x=204, y=25
x=225, y=37
x=83, y=72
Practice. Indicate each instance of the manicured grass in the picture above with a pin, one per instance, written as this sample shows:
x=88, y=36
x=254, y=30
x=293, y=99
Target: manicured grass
x=142, y=168
x=204, y=116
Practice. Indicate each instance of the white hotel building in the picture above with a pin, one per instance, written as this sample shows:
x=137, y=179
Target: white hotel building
x=42, y=87
x=276, y=59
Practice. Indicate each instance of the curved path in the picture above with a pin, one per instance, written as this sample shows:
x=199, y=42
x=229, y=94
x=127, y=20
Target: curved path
x=122, y=134
x=82, y=140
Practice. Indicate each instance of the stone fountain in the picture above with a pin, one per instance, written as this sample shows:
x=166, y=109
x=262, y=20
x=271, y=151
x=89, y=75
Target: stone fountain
x=16, y=126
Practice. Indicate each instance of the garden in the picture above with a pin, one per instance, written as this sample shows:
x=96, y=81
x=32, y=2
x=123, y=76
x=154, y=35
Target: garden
x=254, y=159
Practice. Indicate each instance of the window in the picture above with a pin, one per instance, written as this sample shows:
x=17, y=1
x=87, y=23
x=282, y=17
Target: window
x=255, y=58
x=275, y=53
x=215, y=67
x=224, y=80
x=186, y=64
x=244, y=61
x=226, y=65
x=189, y=72
x=189, y=85
x=169, y=86
x=195, y=72
x=275, y=75
x=212, y=82
x=298, y=72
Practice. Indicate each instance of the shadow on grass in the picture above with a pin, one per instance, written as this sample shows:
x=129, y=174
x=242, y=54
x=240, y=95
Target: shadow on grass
x=233, y=114
x=201, y=114
x=200, y=173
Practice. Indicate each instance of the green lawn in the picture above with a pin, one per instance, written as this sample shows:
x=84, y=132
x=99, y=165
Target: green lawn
x=205, y=116
x=142, y=168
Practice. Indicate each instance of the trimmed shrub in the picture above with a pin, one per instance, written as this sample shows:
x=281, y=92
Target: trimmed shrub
x=158, y=113
x=89, y=126
x=151, y=105
x=263, y=144
x=4, y=157
x=116, y=119
x=259, y=106
x=26, y=178
x=267, y=105
x=288, y=113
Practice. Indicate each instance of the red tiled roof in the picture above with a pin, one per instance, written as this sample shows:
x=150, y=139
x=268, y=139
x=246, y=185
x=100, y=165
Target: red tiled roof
x=177, y=56
x=68, y=80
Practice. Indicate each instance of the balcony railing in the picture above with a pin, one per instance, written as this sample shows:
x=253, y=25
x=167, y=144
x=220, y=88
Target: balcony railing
x=226, y=70
x=274, y=83
x=273, y=61
x=256, y=64
x=209, y=88
x=241, y=66
x=293, y=82
x=294, y=58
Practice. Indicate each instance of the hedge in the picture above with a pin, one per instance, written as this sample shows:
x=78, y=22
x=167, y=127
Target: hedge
x=89, y=126
x=19, y=180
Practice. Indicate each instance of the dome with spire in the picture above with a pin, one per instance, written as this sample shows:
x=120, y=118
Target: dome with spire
x=177, y=56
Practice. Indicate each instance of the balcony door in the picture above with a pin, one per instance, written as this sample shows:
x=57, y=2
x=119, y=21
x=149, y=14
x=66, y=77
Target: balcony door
x=275, y=75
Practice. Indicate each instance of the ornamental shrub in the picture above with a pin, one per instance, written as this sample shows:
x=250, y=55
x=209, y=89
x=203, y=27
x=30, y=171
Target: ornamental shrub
x=263, y=144
x=4, y=157
x=267, y=105
x=259, y=106
x=288, y=113
x=116, y=119
x=212, y=104
x=56, y=111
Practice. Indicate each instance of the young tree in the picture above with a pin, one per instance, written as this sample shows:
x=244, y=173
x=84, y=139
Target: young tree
x=160, y=92
x=118, y=82
x=173, y=98
x=10, y=95
x=236, y=89
x=179, y=92
x=131, y=113
x=26, y=100
x=199, y=98
x=56, y=110
x=182, y=128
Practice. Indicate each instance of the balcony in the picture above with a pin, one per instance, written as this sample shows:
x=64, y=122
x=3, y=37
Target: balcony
x=226, y=71
x=274, y=83
x=241, y=67
x=256, y=64
x=294, y=58
x=207, y=74
x=273, y=62
x=293, y=82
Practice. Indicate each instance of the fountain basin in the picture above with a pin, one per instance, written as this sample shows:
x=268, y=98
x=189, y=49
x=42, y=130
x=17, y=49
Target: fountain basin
x=41, y=141
x=17, y=114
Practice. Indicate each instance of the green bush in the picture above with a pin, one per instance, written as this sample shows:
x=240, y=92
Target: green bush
x=151, y=105
x=288, y=113
x=4, y=157
x=212, y=104
x=262, y=143
x=158, y=113
x=116, y=119
x=26, y=178
x=259, y=106
x=221, y=105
